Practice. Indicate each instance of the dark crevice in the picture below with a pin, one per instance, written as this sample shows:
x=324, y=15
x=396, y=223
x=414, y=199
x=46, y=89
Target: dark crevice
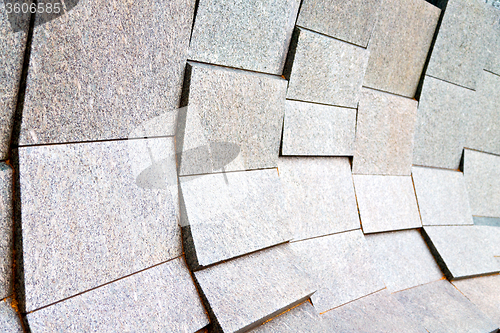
x=195, y=13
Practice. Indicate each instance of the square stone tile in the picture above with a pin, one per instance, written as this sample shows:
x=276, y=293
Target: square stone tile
x=9, y=319
x=318, y=130
x=384, y=134
x=6, y=230
x=252, y=35
x=386, y=203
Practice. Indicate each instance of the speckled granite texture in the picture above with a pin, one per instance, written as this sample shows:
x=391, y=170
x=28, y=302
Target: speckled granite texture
x=493, y=47
x=6, y=230
x=9, y=319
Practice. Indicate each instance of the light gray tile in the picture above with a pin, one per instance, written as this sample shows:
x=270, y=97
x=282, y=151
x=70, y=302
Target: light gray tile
x=341, y=267
x=95, y=212
x=9, y=319
x=319, y=194
x=493, y=47
x=490, y=221
x=318, y=130
x=244, y=34
x=490, y=236
x=160, y=299
x=384, y=134
x=442, y=196
x=386, y=203
x=325, y=70
x=6, y=230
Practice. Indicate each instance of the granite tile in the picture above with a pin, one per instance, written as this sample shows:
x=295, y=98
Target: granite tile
x=104, y=68
x=231, y=214
x=341, y=267
x=160, y=299
x=439, y=307
x=325, y=70
x=95, y=212
x=386, y=203
x=9, y=319
x=245, y=292
x=442, y=196
x=252, y=35
x=6, y=230
x=318, y=130
x=489, y=221
x=319, y=194
x=493, y=47
x=384, y=134
x=490, y=236
x=399, y=45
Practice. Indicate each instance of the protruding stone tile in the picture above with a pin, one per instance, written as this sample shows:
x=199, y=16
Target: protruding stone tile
x=160, y=299
x=231, y=214
x=384, y=134
x=439, y=307
x=319, y=193
x=403, y=259
x=350, y=21
x=341, y=267
x=493, y=47
x=376, y=313
x=399, y=45
x=6, y=230
x=442, y=196
x=386, y=203
x=245, y=292
x=9, y=319
x=233, y=121
x=318, y=130
x=325, y=70
x=95, y=212
x=244, y=34
x=104, y=68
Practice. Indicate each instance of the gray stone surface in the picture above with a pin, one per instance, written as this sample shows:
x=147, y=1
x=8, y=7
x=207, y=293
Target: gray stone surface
x=104, y=68
x=490, y=221
x=341, y=266
x=442, y=196
x=160, y=299
x=318, y=130
x=384, y=134
x=95, y=212
x=439, y=307
x=245, y=292
x=244, y=34
x=325, y=70
x=319, y=194
x=399, y=45
x=233, y=121
x=6, y=230
x=231, y=214
x=386, y=203
x=9, y=319
x=493, y=48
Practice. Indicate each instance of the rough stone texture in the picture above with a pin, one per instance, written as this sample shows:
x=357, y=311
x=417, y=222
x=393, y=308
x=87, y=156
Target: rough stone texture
x=95, y=212
x=341, y=267
x=318, y=130
x=386, y=203
x=228, y=215
x=399, y=45
x=245, y=292
x=104, y=68
x=319, y=193
x=9, y=319
x=6, y=230
x=233, y=121
x=493, y=47
x=482, y=177
x=403, y=259
x=439, y=307
x=384, y=134
x=252, y=35
x=325, y=70
x=490, y=221
x=375, y=313
x=442, y=196
x=160, y=299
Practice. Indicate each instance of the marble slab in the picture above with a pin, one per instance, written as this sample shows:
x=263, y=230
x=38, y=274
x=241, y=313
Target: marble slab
x=9, y=319
x=6, y=230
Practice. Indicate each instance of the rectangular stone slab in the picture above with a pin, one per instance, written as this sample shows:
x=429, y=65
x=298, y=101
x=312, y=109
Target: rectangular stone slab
x=6, y=230
x=95, y=212
x=160, y=299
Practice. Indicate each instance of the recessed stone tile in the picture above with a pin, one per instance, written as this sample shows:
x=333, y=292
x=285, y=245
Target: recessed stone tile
x=399, y=45
x=9, y=319
x=386, y=203
x=341, y=266
x=319, y=194
x=104, y=68
x=245, y=292
x=160, y=299
x=244, y=34
x=384, y=134
x=231, y=214
x=233, y=121
x=493, y=47
x=6, y=230
x=318, y=130
x=325, y=70
x=442, y=196
x=93, y=213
